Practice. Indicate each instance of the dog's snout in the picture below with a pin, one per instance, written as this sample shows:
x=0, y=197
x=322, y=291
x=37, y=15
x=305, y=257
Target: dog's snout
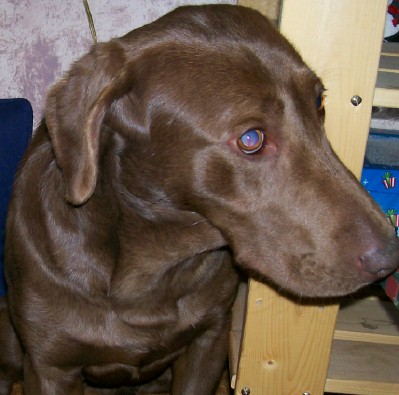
x=380, y=262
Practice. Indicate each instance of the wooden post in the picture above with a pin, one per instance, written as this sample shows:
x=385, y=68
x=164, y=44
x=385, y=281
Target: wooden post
x=341, y=41
x=286, y=346
x=269, y=8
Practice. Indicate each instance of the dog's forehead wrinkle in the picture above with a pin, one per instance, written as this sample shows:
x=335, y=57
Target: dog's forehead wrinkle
x=227, y=111
x=302, y=120
x=240, y=80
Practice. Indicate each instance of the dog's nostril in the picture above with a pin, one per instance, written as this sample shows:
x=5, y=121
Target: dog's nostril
x=380, y=263
x=371, y=265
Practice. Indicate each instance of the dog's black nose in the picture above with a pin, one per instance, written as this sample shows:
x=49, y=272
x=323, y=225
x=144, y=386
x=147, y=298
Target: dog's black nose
x=380, y=262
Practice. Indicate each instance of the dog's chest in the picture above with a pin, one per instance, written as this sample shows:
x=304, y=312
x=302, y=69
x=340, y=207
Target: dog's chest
x=156, y=328
x=189, y=295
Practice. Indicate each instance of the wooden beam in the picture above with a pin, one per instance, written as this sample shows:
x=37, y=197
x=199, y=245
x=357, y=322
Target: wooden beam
x=286, y=345
x=270, y=8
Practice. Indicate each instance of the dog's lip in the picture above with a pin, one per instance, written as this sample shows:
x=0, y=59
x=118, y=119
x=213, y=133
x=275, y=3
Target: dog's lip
x=355, y=278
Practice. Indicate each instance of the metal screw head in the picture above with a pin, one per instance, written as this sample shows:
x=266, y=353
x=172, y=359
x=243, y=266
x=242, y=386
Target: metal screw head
x=306, y=393
x=245, y=391
x=356, y=100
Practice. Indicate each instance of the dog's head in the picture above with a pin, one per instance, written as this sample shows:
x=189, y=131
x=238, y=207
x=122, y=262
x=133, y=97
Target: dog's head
x=228, y=121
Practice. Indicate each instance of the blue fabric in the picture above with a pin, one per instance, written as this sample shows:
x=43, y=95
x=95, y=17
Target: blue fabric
x=16, y=121
x=383, y=185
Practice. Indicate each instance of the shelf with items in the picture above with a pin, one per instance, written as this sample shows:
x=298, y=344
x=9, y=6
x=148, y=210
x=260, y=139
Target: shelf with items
x=387, y=87
x=365, y=352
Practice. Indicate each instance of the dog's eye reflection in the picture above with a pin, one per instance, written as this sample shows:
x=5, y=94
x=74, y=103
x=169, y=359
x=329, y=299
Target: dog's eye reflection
x=251, y=141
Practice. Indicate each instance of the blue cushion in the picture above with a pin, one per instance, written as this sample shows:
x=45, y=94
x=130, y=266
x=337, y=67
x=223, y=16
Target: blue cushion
x=16, y=121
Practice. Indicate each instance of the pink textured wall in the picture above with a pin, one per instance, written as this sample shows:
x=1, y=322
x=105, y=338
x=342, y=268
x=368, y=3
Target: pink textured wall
x=39, y=39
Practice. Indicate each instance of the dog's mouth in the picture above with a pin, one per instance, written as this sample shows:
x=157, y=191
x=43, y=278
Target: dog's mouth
x=309, y=275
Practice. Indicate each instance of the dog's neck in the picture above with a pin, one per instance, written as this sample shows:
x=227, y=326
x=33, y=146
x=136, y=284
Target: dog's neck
x=154, y=235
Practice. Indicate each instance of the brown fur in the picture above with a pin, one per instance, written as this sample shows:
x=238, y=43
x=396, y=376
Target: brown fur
x=134, y=203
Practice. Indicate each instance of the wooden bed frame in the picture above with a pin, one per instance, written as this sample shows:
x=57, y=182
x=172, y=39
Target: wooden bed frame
x=291, y=348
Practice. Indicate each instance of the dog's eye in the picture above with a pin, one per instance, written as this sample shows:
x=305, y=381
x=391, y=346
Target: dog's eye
x=251, y=141
x=320, y=101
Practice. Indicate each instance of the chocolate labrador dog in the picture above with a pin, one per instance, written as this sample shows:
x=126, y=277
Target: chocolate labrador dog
x=166, y=159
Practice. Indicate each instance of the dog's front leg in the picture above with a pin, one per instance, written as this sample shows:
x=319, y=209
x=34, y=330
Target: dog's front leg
x=199, y=369
x=50, y=380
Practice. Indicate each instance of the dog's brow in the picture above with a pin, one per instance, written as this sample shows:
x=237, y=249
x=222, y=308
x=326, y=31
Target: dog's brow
x=273, y=106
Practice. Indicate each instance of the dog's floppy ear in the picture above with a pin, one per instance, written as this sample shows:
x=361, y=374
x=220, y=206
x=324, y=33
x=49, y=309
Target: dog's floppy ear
x=75, y=110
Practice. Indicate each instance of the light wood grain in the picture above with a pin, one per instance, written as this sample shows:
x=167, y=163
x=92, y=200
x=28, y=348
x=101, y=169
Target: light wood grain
x=368, y=320
x=283, y=350
x=366, y=337
x=331, y=37
x=359, y=363
x=387, y=89
x=286, y=346
x=363, y=387
x=386, y=97
x=270, y=8
x=365, y=352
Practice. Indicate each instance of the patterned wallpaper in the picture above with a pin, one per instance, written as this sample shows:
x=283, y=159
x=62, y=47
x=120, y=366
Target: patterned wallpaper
x=39, y=39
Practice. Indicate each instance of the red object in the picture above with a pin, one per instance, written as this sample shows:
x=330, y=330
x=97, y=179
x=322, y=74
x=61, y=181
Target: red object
x=394, y=11
x=392, y=288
